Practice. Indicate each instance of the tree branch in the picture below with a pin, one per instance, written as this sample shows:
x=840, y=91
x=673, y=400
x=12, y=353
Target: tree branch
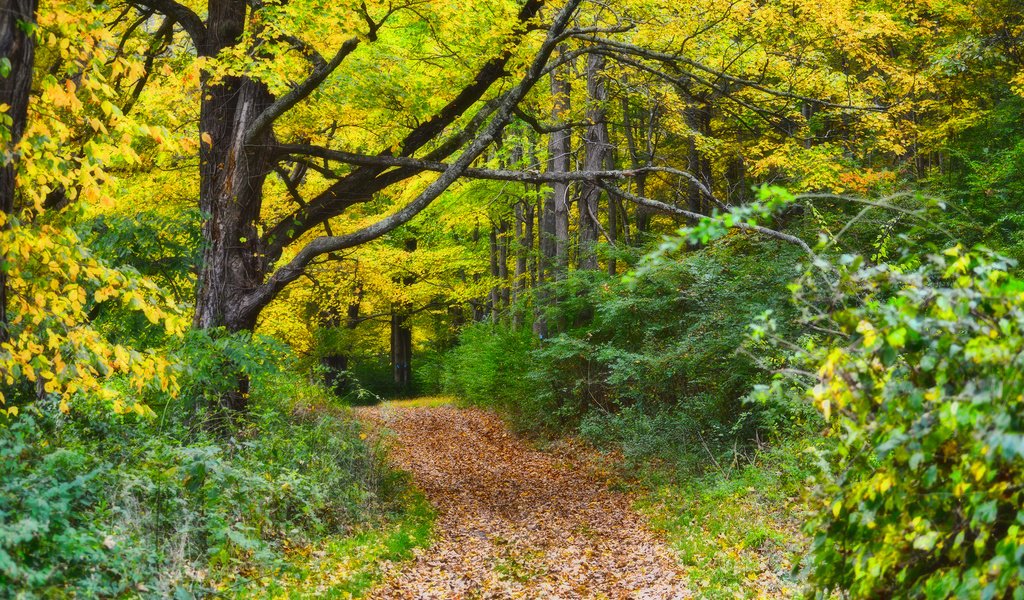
x=189, y=21
x=290, y=150
x=668, y=58
x=259, y=297
x=299, y=92
x=668, y=208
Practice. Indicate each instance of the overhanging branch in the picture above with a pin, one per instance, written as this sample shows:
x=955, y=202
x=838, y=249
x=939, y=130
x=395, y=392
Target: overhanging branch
x=261, y=295
x=668, y=208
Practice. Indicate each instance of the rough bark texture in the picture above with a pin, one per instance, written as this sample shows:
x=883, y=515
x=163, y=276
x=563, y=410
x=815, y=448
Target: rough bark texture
x=598, y=150
x=559, y=156
x=19, y=50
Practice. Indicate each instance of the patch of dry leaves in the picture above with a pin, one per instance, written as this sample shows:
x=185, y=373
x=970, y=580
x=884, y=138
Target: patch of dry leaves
x=515, y=522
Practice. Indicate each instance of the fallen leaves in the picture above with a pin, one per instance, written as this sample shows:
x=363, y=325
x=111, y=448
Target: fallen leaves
x=514, y=522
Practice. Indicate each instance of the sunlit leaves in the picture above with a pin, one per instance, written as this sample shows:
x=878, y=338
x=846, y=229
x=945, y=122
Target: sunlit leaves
x=922, y=386
x=55, y=283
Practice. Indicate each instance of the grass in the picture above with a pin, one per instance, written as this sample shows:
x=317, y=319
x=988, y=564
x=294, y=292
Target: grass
x=738, y=529
x=349, y=566
x=422, y=402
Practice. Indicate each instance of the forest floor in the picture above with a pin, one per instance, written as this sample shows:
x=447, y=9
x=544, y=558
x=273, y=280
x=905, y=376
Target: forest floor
x=514, y=521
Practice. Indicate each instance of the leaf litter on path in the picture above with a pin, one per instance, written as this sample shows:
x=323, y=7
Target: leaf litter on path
x=516, y=522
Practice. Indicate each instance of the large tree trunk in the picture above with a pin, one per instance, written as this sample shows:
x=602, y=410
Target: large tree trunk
x=231, y=178
x=598, y=150
x=231, y=196
x=19, y=50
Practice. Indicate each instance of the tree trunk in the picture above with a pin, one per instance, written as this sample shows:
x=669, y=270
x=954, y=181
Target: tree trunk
x=19, y=50
x=494, y=303
x=698, y=117
x=231, y=195
x=503, y=242
x=598, y=150
x=231, y=178
x=559, y=155
x=519, y=279
x=401, y=336
x=643, y=214
x=554, y=216
x=401, y=351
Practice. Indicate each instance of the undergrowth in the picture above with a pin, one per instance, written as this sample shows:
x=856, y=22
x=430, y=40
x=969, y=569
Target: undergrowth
x=737, y=524
x=96, y=504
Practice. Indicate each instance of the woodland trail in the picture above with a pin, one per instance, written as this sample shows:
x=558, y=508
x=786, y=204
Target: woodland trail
x=515, y=522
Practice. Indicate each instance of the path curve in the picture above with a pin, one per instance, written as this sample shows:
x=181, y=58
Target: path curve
x=515, y=522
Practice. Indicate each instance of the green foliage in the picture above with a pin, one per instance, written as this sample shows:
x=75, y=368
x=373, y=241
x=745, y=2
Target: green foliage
x=162, y=248
x=213, y=361
x=923, y=386
x=95, y=503
x=736, y=526
x=986, y=182
x=655, y=365
x=492, y=367
x=47, y=540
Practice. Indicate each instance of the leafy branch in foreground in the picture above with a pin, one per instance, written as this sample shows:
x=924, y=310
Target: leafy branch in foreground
x=921, y=379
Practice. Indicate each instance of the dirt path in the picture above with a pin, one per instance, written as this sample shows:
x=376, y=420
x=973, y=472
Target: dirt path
x=515, y=522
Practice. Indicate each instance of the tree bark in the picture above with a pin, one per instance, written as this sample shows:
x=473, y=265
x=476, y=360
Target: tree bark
x=494, y=302
x=523, y=224
x=18, y=50
x=643, y=214
x=401, y=336
x=503, y=243
x=598, y=151
x=401, y=351
x=559, y=157
x=698, y=117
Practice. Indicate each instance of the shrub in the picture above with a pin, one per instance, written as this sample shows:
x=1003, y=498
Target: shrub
x=924, y=391
x=665, y=345
x=100, y=504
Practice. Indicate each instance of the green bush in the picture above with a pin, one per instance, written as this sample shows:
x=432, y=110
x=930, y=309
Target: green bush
x=492, y=367
x=98, y=504
x=661, y=354
x=924, y=389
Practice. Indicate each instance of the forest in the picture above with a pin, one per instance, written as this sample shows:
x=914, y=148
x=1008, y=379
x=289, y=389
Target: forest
x=512, y=299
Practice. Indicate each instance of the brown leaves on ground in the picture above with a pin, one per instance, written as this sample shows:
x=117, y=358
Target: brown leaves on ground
x=514, y=522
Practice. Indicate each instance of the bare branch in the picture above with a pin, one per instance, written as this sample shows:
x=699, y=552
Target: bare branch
x=668, y=208
x=189, y=21
x=676, y=59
